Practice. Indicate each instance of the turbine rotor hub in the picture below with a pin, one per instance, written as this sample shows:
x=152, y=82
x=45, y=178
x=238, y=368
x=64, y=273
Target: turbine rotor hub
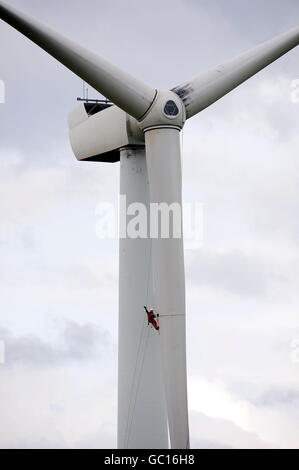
x=167, y=110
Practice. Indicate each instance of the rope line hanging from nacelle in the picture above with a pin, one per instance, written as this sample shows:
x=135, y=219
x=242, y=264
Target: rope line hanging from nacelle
x=137, y=388
x=136, y=379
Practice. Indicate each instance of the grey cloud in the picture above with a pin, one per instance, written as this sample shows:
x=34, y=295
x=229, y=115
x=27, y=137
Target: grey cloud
x=265, y=395
x=217, y=433
x=75, y=343
x=202, y=444
x=36, y=444
x=105, y=438
x=277, y=397
x=234, y=271
x=57, y=407
x=82, y=340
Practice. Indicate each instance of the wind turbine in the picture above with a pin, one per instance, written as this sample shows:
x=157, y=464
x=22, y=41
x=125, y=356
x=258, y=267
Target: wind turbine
x=142, y=130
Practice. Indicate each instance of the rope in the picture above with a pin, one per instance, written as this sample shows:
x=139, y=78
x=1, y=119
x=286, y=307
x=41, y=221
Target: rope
x=149, y=270
x=172, y=315
x=137, y=390
x=128, y=427
x=133, y=380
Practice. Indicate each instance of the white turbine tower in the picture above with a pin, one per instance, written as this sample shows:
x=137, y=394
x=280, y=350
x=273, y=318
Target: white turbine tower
x=142, y=130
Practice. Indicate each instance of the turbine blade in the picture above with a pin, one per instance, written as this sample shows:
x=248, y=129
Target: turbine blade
x=203, y=90
x=165, y=183
x=125, y=91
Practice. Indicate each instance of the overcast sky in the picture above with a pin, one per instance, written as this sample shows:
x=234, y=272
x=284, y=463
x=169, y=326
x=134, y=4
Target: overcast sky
x=59, y=282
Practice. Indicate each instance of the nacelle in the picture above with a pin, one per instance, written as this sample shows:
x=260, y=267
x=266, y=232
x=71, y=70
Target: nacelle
x=97, y=132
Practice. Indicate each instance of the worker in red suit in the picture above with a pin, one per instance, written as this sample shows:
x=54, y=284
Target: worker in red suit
x=151, y=318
